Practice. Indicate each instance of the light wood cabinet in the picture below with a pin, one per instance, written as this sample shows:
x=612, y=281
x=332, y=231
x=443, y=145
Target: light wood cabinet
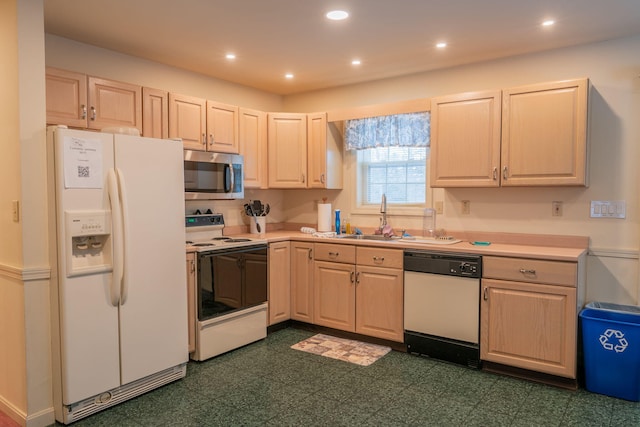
x=302, y=281
x=334, y=295
x=82, y=101
x=155, y=113
x=252, y=145
x=544, y=134
x=66, y=98
x=191, y=300
x=367, y=297
x=534, y=135
x=279, y=282
x=379, y=302
x=324, y=144
x=465, y=140
x=187, y=120
x=222, y=127
x=529, y=314
x=287, y=144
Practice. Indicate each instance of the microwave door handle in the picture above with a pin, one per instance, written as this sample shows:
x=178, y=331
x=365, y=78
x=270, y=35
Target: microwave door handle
x=229, y=178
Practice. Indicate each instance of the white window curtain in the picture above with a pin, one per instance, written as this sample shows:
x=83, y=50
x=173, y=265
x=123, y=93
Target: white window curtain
x=400, y=130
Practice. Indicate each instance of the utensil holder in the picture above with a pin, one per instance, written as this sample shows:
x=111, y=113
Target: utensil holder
x=262, y=220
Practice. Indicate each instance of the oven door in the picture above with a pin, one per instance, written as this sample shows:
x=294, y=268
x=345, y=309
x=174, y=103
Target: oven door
x=231, y=279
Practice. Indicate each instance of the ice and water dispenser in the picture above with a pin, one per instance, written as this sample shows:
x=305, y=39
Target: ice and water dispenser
x=88, y=242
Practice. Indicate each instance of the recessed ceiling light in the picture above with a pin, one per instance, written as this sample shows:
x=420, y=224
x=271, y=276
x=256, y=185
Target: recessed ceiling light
x=441, y=45
x=337, y=15
x=288, y=76
x=230, y=56
x=356, y=62
x=548, y=23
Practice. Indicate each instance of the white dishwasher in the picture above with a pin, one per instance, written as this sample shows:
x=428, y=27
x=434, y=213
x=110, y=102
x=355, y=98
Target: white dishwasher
x=442, y=305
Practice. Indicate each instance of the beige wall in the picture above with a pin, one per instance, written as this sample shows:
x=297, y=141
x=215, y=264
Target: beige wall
x=615, y=149
x=71, y=55
x=13, y=390
x=25, y=367
x=614, y=135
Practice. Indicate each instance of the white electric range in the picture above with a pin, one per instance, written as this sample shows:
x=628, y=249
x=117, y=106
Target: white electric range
x=205, y=232
x=231, y=286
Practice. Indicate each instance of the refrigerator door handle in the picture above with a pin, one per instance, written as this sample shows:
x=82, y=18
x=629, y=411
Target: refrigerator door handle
x=124, y=211
x=118, y=256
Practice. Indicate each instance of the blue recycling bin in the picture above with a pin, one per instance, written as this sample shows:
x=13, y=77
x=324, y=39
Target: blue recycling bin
x=611, y=347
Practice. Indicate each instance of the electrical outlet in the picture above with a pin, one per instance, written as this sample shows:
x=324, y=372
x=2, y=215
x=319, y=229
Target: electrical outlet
x=556, y=208
x=466, y=207
x=439, y=205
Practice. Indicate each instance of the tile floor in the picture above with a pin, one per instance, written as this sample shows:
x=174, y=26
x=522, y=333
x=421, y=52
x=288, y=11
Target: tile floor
x=269, y=384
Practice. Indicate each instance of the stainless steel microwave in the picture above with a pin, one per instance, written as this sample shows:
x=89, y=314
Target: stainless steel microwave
x=213, y=176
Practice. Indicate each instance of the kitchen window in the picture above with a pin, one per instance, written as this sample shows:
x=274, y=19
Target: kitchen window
x=391, y=155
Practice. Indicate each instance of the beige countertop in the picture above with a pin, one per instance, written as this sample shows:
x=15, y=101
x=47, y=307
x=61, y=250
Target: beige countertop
x=505, y=247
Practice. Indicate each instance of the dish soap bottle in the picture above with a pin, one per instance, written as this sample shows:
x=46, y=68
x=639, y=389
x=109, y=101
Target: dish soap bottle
x=337, y=221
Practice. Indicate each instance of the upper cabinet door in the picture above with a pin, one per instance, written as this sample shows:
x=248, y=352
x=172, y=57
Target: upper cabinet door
x=252, y=132
x=155, y=113
x=465, y=140
x=317, y=146
x=66, y=98
x=287, y=143
x=114, y=103
x=544, y=134
x=187, y=121
x=222, y=127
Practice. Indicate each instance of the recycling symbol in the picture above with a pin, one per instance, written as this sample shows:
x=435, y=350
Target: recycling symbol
x=614, y=340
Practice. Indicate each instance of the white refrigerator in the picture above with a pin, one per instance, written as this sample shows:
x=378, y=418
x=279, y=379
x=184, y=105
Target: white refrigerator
x=119, y=296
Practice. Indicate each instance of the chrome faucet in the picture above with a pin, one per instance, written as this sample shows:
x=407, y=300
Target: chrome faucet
x=383, y=211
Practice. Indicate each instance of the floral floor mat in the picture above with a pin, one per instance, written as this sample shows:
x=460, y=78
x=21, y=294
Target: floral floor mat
x=360, y=353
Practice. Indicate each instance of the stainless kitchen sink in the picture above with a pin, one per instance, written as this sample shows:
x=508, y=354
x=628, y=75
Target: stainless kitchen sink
x=368, y=237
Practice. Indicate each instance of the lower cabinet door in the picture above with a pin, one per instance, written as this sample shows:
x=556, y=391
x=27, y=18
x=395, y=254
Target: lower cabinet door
x=334, y=295
x=529, y=326
x=379, y=302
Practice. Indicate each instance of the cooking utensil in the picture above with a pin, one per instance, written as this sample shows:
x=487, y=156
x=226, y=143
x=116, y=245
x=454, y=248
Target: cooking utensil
x=256, y=206
x=267, y=209
x=255, y=218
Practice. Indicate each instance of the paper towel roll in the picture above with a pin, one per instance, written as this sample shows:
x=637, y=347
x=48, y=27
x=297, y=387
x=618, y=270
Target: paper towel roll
x=324, y=217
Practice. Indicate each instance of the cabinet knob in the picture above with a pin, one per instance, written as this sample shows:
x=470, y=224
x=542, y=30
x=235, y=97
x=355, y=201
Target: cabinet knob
x=485, y=294
x=210, y=139
x=504, y=173
x=310, y=253
x=322, y=179
x=351, y=276
x=357, y=278
x=334, y=254
x=527, y=271
x=378, y=260
x=204, y=139
x=83, y=114
x=303, y=178
x=93, y=113
x=495, y=173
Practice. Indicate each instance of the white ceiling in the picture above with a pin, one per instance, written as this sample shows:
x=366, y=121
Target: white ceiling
x=391, y=37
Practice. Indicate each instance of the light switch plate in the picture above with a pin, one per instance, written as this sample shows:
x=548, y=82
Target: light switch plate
x=608, y=209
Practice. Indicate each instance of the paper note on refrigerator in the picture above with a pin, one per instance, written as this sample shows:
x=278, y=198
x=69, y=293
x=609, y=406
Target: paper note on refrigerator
x=82, y=163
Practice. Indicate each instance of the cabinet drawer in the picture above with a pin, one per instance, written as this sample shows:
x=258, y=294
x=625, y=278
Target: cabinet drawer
x=335, y=253
x=379, y=257
x=530, y=270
